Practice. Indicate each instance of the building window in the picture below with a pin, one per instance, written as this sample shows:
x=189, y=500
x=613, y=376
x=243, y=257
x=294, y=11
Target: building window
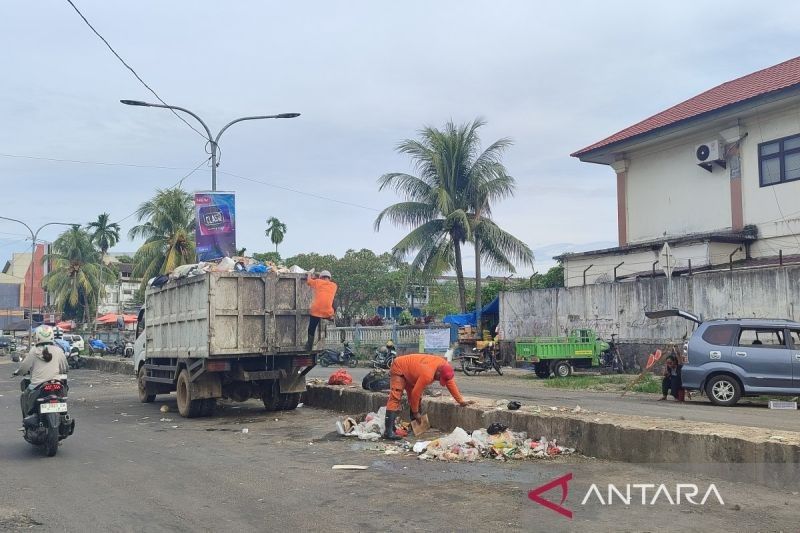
x=779, y=160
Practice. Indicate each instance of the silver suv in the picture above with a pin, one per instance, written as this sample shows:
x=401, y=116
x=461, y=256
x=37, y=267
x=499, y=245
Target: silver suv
x=732, y=358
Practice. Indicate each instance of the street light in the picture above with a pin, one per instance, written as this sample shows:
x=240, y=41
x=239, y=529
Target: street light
x=213, y=141
x=34, y=235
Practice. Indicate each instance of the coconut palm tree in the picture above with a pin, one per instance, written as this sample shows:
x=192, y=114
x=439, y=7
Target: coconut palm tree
x=449, y=200
x=168, y=230
x=104, y=234
x=276, y=231
x=76, y=278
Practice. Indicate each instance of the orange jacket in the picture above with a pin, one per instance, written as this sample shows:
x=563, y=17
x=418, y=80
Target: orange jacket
x=324, y=293
x=417, y=370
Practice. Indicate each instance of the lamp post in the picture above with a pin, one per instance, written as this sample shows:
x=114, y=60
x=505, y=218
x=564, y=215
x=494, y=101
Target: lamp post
x=213, y=141
x=34, y=235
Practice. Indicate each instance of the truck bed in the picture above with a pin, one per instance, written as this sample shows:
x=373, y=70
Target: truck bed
x=224, y=314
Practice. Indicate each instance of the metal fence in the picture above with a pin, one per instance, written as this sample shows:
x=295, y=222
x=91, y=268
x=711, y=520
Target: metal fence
x=402, y=336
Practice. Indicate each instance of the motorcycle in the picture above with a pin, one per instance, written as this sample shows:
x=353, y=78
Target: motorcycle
x=480, y=361
x=128, y=351
x=384, y=357
x=98, y=346
x=332, y=357
x=74, y=358
x=117, y=347
x=48, y=422
x=611, y=359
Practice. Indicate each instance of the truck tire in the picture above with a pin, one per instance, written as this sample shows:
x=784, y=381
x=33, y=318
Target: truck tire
x=187, y=407
x=272, y=400
x=562, y=369
x=542, y=370
x=208, y=407
x=144, y=397
x=289, y=401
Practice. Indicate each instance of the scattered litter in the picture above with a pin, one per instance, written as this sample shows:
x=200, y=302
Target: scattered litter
x=514, y=405
x=577, y=409
x=391, y=451
x=776, y=437
x=776, y=404
x=245, y=430
x=461, y=446
x=420, y=427
x=496, y=428
x=421, y=446
x=174, y=427
x=371, y=428
x=300, y=404
x=501, y=404
x=340, y=377
x=349, y=467
x=553, y=408
x=165, y=420
x=165, y=408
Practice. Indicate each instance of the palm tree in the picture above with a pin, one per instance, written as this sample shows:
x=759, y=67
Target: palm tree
x=450, y=200
x=276, y=231
x=104, y=234
x=168, y=231
x=76, y=277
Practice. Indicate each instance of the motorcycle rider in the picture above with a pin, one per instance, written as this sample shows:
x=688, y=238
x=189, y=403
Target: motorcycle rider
x=58, y=336
x=45, y=361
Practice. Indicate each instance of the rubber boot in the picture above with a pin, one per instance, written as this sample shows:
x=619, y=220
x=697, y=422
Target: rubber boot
x=389, y=433
x=309, y=344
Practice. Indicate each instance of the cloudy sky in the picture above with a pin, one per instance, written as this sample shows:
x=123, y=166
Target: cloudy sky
x=554, y=76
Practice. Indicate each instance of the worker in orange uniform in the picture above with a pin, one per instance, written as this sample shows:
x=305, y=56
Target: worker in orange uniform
x=413, y=373
x=322, y=303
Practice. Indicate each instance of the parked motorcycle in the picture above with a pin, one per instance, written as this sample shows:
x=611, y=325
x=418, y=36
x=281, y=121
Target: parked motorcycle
x=98, y=346
x=118, y=347
x=482, y=360
x=611, y=359
x=74, y=358
x=128, y=351
x=332, y=357
x=48, y=421
x=384, y=356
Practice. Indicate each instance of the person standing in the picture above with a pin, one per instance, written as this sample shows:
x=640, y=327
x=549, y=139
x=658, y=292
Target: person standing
x=412, y=373
x=321, y=304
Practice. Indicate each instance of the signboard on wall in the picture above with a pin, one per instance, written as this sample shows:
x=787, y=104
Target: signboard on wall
x=437, y=340
x=215, y=227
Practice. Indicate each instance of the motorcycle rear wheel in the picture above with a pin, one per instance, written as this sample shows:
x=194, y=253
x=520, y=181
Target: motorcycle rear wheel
x=468, y=366
x=353, y=362
x=496, y=365
x=51, y=442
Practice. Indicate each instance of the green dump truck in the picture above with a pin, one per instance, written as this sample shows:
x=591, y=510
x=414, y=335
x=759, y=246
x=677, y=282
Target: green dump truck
x=559, y=355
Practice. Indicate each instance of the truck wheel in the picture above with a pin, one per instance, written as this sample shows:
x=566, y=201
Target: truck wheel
x=144, y=397
x=272, y=400
x=209, y=404
x=187, y=407
x=289, y=401
x=562, y=369
x=723, y=390
x=542, y=370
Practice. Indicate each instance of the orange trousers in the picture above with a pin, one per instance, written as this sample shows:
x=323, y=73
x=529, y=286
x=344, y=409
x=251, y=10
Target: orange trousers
x=397, y=384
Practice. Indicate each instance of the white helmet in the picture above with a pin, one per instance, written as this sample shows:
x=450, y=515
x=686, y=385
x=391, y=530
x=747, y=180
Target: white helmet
x=43, y=334
x=58, y=332
x=325, y=274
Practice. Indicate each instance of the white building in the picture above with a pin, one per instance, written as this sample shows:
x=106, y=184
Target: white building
x=118, y=296
x=717, y=177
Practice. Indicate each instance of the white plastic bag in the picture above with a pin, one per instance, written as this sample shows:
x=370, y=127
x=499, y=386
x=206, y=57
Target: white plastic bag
x=226, y=265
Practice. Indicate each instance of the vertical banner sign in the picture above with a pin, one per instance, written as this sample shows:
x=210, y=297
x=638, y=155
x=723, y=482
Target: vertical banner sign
x=215, y=234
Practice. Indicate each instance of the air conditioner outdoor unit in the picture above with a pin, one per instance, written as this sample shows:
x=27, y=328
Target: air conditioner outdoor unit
x=708, y=153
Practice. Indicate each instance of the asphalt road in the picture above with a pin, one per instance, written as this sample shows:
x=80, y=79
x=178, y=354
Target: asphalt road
x=130, y=467
x=511, y=386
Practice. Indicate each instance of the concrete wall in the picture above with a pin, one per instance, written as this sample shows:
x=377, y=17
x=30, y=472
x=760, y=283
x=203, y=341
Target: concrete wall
x=619, y=308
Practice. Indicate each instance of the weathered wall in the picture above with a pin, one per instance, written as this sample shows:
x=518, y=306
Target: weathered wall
x=618, y=308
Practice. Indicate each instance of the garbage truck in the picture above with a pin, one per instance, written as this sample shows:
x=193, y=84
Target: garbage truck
x=233, y=335
x=558, y=355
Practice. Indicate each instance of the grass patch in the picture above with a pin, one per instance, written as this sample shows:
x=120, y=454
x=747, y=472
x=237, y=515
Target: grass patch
x=649, y=383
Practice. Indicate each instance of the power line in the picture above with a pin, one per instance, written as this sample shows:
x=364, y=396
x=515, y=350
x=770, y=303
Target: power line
x=131, y=69
x=78, y=161
x=283, y=188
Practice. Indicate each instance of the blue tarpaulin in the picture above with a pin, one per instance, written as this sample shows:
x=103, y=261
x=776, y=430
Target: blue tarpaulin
x=471, y=319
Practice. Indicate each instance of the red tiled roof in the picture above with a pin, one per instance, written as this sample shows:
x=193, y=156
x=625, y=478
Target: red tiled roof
x=775, y=78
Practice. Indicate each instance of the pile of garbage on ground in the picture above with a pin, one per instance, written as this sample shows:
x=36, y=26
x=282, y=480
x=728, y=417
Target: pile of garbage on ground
x=226, y=264
x=495, y=442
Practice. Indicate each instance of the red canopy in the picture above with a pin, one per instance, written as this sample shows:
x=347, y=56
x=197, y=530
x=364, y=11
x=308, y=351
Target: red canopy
x=66, y=325
x=111, y=318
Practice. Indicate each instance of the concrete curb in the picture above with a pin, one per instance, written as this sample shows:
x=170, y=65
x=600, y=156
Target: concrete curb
x=108, y=365
x=774, y=464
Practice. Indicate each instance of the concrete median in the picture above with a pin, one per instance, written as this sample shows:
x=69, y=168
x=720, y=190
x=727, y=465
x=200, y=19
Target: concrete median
x=113, y=366
x=723, y=451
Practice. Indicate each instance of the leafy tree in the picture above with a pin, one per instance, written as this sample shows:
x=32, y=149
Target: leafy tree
x=124, y=259
x=272, y=257
x=104, y=234
x=77, y=277
x=138, y=297
x=168, y=231
x=449, y=201
x=276, y=231
x=443, y=299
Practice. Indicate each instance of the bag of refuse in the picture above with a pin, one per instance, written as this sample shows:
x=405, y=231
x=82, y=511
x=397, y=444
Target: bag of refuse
x=376, y=380
x=340, y=377
x=258, y=268
x=496, y=428
x=225, y=265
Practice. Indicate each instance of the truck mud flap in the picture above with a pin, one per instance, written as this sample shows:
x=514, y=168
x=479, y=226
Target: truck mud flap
x=207, y=385
x=295, y=383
